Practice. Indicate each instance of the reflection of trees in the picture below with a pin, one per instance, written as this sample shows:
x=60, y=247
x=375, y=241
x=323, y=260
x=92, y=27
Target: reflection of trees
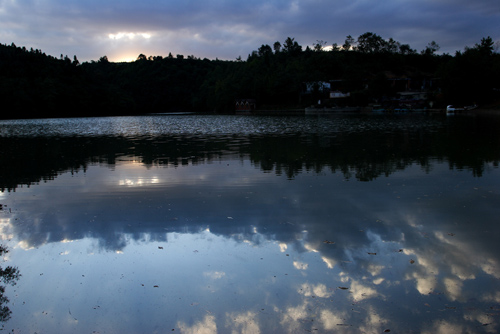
x=8, y=275
x=380, y=149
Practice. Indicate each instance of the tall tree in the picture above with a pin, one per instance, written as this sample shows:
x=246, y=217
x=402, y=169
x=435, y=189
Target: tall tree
x=348, y=43
x=431, y=49
x=486, y=46
x=265, y=50
x=371, y=43
x=291, y=46
x=277, y=47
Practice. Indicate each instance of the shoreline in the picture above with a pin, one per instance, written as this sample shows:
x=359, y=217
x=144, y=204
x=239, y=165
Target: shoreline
x=477, y=111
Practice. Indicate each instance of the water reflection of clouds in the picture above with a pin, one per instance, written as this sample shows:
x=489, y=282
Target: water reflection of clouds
x=317, y=302
x=219, y=239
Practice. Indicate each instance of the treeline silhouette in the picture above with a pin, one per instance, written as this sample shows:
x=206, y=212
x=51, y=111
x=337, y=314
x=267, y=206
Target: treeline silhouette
x=33, y=84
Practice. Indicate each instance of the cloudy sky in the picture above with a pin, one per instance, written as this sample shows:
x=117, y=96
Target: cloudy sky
x=226, y=29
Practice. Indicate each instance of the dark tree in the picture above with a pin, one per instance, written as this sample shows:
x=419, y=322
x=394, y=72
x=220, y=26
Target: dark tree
x=371, y=43
x=431, y=49
x=277, y=47
x=291, y=46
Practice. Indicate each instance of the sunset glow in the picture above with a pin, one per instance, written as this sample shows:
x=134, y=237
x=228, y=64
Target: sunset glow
x=229, y=29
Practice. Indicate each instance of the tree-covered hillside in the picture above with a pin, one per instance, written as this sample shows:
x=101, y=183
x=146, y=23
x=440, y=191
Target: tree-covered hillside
x=33, y=84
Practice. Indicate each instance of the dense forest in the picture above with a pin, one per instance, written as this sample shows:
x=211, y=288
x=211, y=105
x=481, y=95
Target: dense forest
x=33, y=84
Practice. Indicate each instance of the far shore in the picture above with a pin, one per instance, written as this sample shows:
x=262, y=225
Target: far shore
x=487, y=111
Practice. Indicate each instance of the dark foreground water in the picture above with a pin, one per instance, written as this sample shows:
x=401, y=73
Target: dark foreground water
x=227, y=224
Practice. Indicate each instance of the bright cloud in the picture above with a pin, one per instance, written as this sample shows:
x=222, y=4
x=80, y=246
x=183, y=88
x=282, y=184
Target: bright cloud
x=319, y=290
x=300, y=265
x=129, y=35
x=361, y=292
x=205, y=326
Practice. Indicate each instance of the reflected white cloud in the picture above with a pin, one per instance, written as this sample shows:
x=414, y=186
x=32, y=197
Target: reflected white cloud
x=244, y=323
x=300, y=265
x=374, y=269
x=491, y=267
x=360, y=291
x=374, y=323
x=445, y=327
x=214, y=274
x=319, y=290
x=425, y=284
x=221, y=263
x=330, y=262
x=292, y=317
x=205, y=326
x=453, y=288
x=6, y=230
x=331, y=320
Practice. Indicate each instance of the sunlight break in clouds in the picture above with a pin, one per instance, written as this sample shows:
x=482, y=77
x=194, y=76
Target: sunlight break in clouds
x=129, y=35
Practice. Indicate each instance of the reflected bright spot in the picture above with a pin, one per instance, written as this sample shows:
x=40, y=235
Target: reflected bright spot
x=206, y=326
x=138, y=182
x=283, y=247
x=24, y=245
x=319, y=290
x=330, y=263
x=300, y=265
x=310, y=248
x=361, y=292
x=332, y=320
x=6, y=229
x=214, y=274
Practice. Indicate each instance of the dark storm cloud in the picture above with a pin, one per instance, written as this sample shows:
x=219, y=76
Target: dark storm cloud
x=228, y=28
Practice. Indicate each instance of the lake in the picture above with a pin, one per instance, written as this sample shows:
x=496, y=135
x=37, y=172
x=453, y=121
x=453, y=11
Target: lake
x=251, y=224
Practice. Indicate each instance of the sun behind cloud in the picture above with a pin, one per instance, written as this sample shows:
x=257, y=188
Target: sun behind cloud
x=129, y=35
x=125, y=46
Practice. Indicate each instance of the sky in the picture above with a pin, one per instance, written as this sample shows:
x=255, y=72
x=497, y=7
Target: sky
x=227, y=29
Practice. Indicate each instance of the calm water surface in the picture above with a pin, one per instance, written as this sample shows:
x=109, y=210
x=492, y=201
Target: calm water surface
x=228, y=224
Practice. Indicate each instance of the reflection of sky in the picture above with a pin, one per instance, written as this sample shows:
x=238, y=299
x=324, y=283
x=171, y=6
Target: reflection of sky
x=232, y=248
